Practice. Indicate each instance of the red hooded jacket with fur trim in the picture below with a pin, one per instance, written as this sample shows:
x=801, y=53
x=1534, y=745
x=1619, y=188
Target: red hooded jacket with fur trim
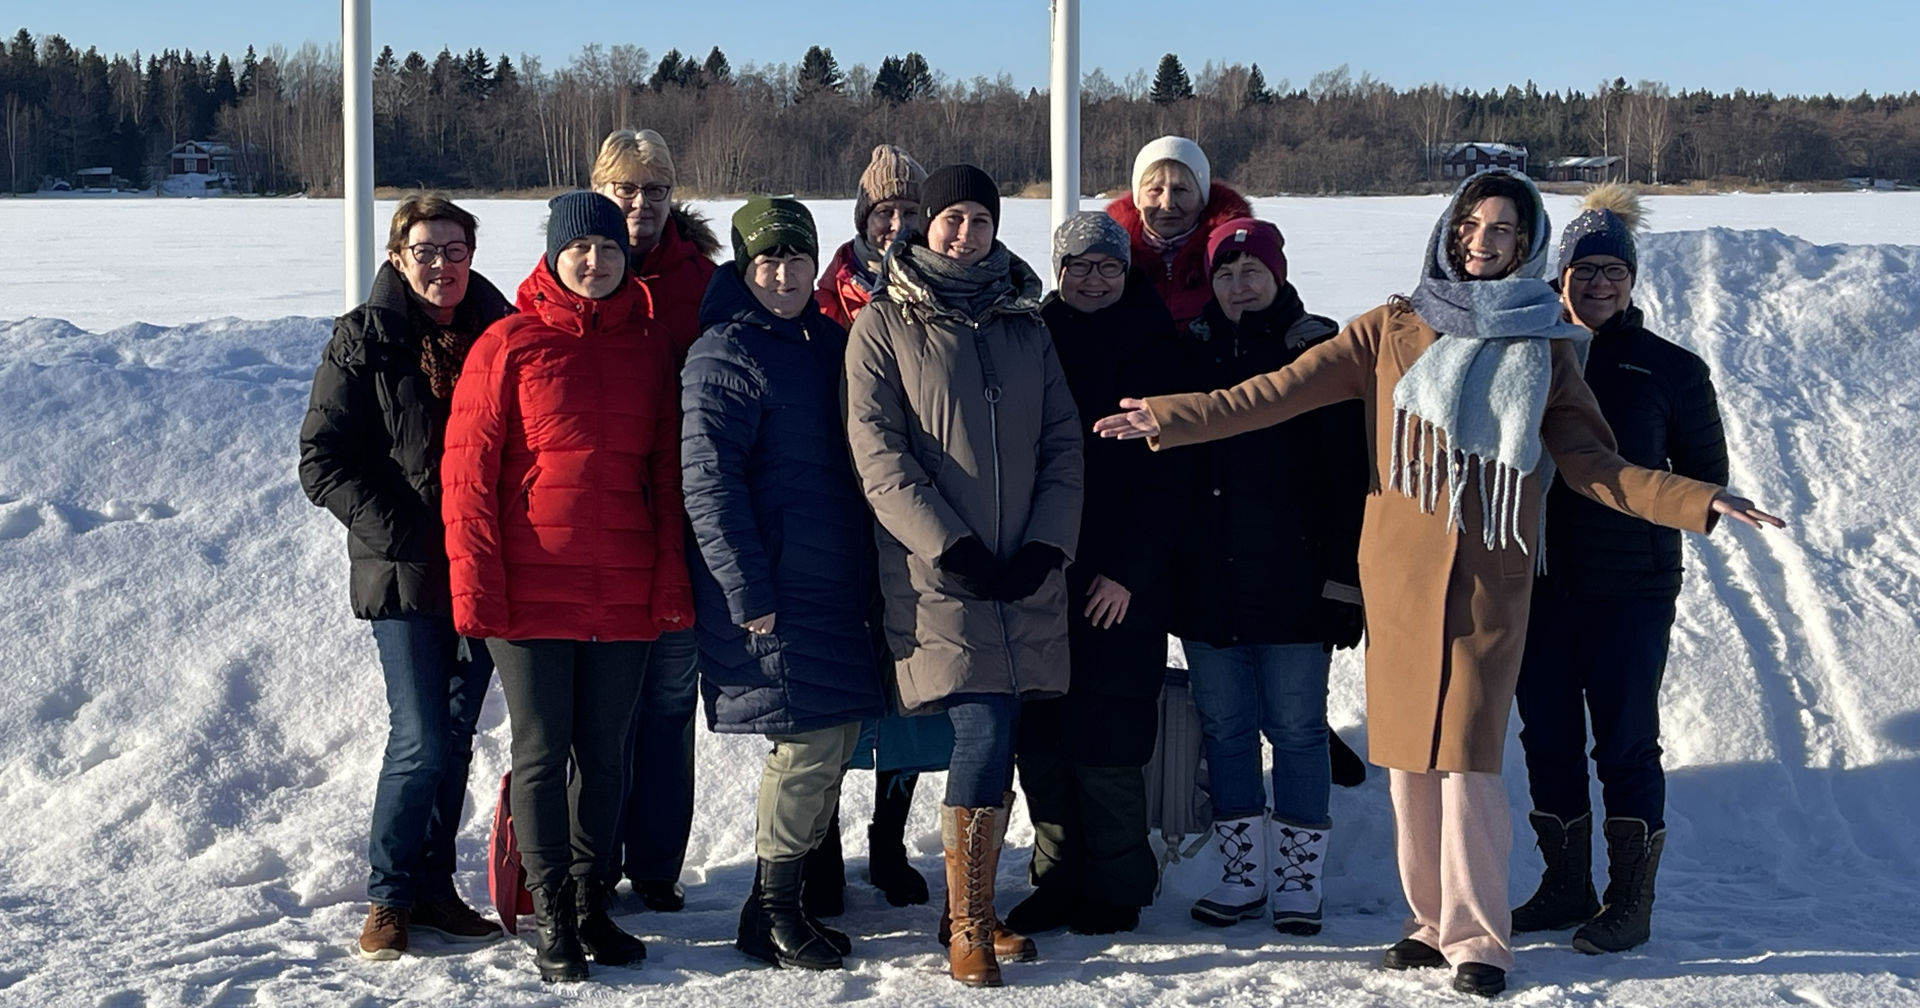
x=1183, y=283
x=676, y=271
x=841, y=293
x=562, y=465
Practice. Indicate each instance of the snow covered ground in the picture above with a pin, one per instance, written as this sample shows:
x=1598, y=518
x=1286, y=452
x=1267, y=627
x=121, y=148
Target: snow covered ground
x=188, y=757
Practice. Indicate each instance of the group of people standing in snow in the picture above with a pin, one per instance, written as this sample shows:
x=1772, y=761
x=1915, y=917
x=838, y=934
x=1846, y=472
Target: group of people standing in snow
x=868, y=512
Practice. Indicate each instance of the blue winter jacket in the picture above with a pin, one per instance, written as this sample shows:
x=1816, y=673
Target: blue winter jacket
x=780, y=519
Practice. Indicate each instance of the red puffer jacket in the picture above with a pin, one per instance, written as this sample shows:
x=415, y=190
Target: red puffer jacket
x=562, y=461
x=676, y=271
x=1183, y=283
x=841, y=293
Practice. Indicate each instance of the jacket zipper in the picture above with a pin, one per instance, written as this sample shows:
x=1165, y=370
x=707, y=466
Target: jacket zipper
x=992, y=394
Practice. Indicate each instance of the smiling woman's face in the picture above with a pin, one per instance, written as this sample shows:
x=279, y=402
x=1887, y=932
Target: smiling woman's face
x=1488, y=239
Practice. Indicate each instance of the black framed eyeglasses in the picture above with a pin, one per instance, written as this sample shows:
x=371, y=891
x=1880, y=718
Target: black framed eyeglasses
x=1112, y=269
x=655, y=193
x=427, y=253
x=1612, y=271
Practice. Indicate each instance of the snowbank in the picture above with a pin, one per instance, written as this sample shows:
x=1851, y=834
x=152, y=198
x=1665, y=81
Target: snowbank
x=188, y=761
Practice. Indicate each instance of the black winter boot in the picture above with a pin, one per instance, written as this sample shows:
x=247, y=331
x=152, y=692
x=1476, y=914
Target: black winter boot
x=1633, y=858
x=599, y=935
x=1565, y=898
x=1349, y=770
x=557, y=952
x=1047, y=908
x=778, y=926
x=824, y=893
x=754, y=939
x=887, y=865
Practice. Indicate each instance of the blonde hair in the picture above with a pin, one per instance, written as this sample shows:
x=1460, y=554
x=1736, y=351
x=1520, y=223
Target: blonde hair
x=628, y=155
x=426, y=206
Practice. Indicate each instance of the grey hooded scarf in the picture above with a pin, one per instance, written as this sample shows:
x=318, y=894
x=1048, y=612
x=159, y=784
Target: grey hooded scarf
x=1481, y=388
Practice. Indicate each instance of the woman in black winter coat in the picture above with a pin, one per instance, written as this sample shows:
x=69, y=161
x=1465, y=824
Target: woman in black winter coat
x=1603, y=611
x=788, y=583
x=370, y=453
x=1080, y=756
x=1265, y=587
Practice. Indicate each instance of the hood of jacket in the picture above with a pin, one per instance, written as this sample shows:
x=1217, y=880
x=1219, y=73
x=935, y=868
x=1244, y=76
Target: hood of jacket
x=686, y=235
x=542, y=295
x=1189, y=267
x=729, y=301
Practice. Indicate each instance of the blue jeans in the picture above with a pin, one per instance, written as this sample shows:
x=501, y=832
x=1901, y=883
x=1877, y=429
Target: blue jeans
x=657, y=813
x=981, y=771
x=1276, y=690
x=433, y=701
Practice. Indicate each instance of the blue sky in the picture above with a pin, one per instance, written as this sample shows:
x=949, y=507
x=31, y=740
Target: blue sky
x=1788, y=47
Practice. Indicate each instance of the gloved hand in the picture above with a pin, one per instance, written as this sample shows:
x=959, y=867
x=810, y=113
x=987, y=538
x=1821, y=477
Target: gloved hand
x=1340, y=624
x=973, y=566
x=1028, y=570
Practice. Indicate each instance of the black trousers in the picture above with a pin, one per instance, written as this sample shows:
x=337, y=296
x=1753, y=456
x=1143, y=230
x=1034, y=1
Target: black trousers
x=1603, y=659
x=568, y=700
x=1090, y=823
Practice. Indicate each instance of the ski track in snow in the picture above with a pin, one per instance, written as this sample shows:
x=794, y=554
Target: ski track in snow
x=186, y=770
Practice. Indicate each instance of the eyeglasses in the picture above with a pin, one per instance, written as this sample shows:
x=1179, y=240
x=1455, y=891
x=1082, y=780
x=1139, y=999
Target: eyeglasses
x=655, y=193
x=1112, y=269
x=427, y=253
x=1612, y=271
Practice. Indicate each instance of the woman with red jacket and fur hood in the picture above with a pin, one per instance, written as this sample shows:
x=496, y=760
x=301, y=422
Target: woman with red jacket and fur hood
x=672, y=255
x=1174, y=205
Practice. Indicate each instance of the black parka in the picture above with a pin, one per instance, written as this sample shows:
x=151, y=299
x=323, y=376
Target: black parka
x=1659, y=400
x=371, y=443
x=1272, y=519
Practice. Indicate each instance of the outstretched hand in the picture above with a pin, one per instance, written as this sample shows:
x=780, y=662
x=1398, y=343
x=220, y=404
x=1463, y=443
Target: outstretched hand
x=1742, y=509
x=1136, y=422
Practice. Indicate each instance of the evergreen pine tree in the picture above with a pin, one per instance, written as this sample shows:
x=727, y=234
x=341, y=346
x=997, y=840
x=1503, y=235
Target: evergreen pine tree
x=250, y=66
x=1170, y=83
x=225, y=92
x=890, y=83
x=716, y=69
x=1257, y=91
x=818, y=72
x=919, y=76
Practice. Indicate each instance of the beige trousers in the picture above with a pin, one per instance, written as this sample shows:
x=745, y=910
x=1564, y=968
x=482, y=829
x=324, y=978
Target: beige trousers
x=799, y=790
x=1453, y=834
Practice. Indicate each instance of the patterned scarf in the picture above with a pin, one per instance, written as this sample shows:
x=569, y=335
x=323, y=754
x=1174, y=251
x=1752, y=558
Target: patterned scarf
x=928, y=283
x=1481, y=388
x=443, y=348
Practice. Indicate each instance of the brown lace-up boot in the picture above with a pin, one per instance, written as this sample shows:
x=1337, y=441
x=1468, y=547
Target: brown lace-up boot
x=1007, y=945
x=968, y=836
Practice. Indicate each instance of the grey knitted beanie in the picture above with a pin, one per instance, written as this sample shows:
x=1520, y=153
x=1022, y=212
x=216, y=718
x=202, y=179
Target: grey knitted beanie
x=1090, y=232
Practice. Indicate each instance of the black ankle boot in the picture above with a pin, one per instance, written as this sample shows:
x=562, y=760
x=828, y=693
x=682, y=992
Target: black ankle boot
x=557, y=952
x=824, y=893
x=1565, y=898
x=779, y=925
x=599, y=935
x=887, y=865
x=1633, y=858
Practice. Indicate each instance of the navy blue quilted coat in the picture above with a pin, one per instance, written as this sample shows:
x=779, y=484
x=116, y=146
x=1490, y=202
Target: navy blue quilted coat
x=780, y=518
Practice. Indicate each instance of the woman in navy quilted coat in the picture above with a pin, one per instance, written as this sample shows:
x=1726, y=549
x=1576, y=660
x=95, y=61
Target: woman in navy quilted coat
x=786, y=538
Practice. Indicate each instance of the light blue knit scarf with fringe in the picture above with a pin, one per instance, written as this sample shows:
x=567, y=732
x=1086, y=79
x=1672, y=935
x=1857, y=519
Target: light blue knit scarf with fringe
x=1481, y=388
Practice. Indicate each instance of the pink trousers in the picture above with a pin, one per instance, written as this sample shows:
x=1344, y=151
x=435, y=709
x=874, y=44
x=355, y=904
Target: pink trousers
x=1453, y=835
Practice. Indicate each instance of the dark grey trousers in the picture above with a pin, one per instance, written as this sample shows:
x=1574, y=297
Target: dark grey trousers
x=568, y=700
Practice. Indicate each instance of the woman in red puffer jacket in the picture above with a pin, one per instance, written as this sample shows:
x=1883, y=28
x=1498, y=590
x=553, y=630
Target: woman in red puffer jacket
x=1174, y=205
x=564, y=532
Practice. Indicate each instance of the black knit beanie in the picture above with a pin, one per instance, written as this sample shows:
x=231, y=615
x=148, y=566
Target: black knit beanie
x=578, y=214
x=956, y=184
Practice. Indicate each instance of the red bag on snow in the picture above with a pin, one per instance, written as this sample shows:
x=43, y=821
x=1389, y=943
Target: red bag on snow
x=506, y=879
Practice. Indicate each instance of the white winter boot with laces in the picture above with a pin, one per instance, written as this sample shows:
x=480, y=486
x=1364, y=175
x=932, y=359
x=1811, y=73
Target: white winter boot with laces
x=1297, y=858
x=1242, y=892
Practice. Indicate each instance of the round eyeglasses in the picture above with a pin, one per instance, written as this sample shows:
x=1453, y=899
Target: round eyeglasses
x=427, y=253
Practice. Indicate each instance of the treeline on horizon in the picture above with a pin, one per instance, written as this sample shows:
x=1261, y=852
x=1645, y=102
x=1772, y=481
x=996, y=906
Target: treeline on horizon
x=475, y=122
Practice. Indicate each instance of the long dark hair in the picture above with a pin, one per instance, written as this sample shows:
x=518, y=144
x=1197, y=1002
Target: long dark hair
x=1487, y=186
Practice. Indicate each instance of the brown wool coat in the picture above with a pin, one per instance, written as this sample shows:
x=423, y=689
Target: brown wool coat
x=1446, y=617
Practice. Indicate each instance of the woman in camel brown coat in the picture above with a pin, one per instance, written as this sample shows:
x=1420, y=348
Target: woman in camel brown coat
x=1447, y=615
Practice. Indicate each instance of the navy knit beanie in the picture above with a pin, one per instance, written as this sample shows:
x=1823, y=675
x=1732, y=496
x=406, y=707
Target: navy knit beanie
x=956, y=184
x=578, y=214
x=1597, y=232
